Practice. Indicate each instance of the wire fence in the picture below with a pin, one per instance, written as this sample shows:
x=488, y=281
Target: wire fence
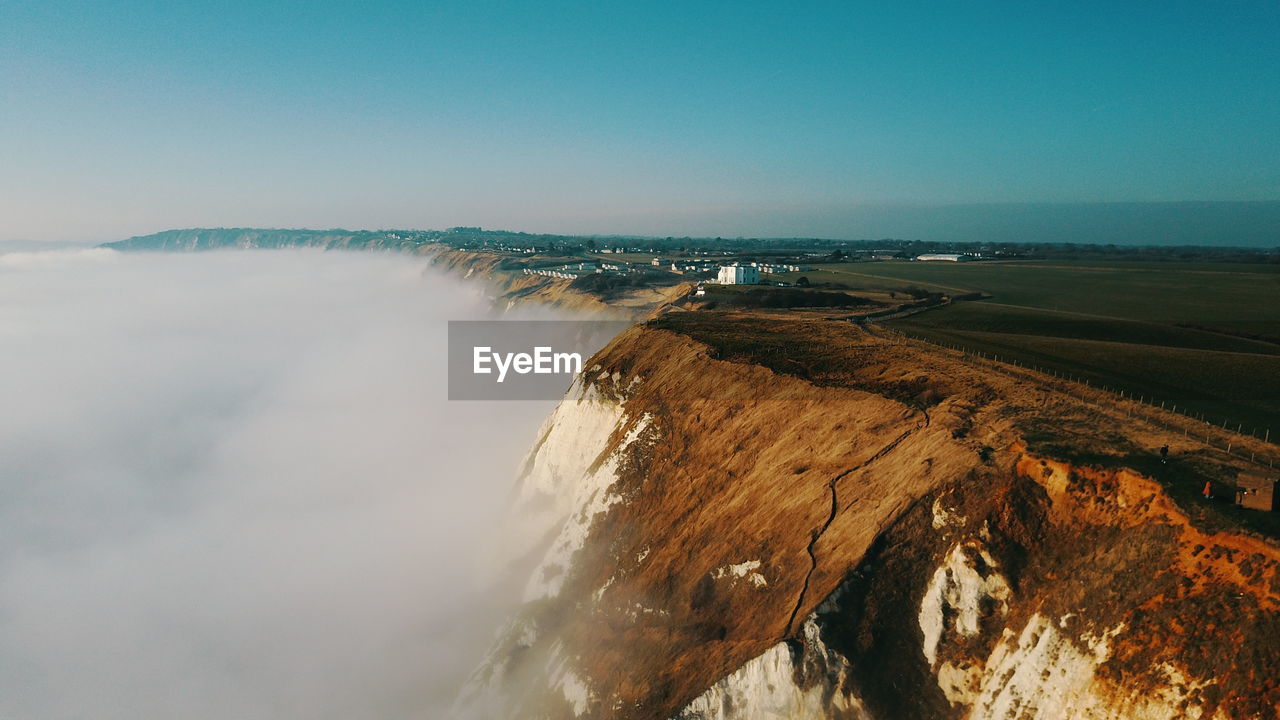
x=1255, y=446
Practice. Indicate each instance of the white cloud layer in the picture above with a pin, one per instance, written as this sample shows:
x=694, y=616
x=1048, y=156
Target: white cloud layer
x=231, y=487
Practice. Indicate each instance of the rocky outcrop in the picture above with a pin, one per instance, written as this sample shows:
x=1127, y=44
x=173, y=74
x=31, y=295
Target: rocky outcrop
x=801, y=679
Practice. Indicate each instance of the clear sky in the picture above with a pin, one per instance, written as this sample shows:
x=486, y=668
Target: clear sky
x=125, y=118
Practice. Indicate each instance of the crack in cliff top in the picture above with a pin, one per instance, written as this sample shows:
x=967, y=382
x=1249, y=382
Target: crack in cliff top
x=821, y=530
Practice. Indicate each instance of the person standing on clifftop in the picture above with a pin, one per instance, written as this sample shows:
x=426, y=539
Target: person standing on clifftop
x=1208, y=490
x=1164, y=454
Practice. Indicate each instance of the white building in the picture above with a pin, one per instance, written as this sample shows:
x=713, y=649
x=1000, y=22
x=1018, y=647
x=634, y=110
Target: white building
x=738, y=275
x=948, y=257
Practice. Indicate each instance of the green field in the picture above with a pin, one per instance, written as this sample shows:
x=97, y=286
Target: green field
x=1234, y=298
x=1203, y=336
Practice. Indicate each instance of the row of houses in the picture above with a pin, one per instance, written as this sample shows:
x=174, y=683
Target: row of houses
x=687, y=268
x=945, y=257
x=573, y=270
x=775, y=268
x=551, y=273
x=677, y=266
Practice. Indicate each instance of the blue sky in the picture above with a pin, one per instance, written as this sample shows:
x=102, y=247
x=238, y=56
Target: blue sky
x=659, y=118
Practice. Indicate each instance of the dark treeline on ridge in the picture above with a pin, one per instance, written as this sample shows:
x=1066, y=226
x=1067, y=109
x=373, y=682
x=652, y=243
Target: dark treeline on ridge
x=475, y=238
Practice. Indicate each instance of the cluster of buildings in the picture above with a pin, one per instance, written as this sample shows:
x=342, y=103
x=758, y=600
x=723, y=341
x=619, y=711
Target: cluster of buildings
x=687, y=268
x=749, y=274
x=573, y=270
x=946, y=257
x=621, y=250
x=551, y=273
x=733, y=274
x=774, y=269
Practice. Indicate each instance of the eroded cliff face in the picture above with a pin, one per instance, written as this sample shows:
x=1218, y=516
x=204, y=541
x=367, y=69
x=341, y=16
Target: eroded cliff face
x=712, y=538
x=1055, y=591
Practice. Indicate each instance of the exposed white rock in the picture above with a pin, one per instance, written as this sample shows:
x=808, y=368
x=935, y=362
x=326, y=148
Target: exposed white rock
x=959, y=589
x=959, y=683
x=566, y=681
x=575, y=692
x=945, y=518
x=741, y=570
x=636, y=611
x=1042, y=673
x=766, y=687
x=567, y=481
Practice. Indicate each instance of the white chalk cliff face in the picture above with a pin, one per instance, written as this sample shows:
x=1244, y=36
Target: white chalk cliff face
x=1039, y=672
x=800, y=680
x=566, y=483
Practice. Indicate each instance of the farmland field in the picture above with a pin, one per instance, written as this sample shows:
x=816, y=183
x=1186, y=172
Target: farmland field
x=1203, y=336
x=1240, y=298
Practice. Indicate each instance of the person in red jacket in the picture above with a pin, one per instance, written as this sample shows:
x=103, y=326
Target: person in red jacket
x=1208, y=490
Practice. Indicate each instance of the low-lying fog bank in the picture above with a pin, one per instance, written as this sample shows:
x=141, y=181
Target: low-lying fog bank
x=233, y=488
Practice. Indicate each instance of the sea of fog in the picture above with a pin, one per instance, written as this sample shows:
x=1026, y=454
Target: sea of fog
x=231, y=486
